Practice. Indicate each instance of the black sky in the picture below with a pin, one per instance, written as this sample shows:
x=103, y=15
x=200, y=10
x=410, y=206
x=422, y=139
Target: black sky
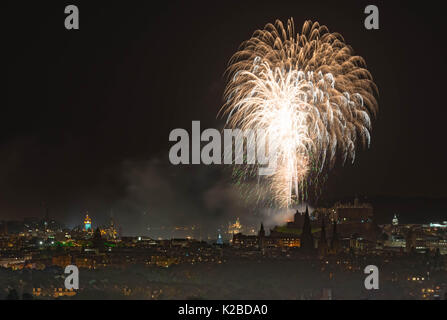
x=89, y=112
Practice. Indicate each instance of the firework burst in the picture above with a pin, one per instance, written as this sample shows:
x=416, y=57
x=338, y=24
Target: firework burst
x=309, y=94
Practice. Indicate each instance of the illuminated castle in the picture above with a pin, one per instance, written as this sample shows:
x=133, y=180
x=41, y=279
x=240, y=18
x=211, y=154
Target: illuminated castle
x=87, y=223
x=110, y=232
x=235, y=227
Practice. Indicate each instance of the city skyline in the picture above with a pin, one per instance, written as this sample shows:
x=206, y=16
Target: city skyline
x=239, y=150
x=330, y=245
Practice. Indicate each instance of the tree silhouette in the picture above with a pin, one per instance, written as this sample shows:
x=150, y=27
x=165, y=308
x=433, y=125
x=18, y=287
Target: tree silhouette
x=12, y=295
x=27, y=296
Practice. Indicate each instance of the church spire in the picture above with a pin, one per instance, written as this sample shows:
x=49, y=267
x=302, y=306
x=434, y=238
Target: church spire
x=335, y=243
x=306, y=225
x=307, y=241
x=322, y=244
x=261, y=230
x=261, y=237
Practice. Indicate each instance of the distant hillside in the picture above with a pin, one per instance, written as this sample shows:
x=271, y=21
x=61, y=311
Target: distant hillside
x=409, y=210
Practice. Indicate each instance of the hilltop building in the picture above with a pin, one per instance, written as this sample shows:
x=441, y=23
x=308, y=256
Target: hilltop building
x=88, y=224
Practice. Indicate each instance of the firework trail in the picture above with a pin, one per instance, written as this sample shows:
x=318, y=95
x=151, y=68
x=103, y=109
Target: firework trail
x=309, y=94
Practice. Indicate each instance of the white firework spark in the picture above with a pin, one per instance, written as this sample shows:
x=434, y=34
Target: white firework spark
x=308, y=93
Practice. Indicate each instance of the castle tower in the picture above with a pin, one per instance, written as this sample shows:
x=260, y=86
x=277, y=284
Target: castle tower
x=307, y=241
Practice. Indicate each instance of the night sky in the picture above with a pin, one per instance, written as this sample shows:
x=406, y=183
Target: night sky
x=89, y=111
